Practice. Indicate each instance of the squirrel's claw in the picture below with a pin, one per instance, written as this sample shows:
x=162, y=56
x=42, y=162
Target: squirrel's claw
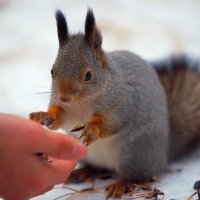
x=82, y=134
x=90, y=133
x=43, y=118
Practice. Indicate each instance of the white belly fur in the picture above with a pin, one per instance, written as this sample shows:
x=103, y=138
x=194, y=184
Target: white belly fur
x=103, y=153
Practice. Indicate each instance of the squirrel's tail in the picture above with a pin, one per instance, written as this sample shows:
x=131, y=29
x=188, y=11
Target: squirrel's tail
x=180, y=77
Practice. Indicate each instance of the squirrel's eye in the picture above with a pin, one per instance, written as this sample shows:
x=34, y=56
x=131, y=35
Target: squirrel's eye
x=88, y=76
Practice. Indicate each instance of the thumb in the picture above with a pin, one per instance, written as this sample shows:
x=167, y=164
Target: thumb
x=63, y=146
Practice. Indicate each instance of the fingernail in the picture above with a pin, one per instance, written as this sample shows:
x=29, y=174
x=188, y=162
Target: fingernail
x=79, y=150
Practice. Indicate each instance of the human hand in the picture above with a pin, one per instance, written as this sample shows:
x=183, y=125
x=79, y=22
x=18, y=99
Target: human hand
x=23, y=174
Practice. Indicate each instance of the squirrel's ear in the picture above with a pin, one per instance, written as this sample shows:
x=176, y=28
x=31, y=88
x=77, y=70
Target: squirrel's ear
x=92, y=34
x=61, y=27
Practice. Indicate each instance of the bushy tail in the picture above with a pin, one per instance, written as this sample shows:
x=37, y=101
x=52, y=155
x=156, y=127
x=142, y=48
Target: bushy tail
x=180, y=77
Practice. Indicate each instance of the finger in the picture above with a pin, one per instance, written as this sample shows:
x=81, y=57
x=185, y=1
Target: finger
x=47, y=189
x=59, y=171
x=63, y=146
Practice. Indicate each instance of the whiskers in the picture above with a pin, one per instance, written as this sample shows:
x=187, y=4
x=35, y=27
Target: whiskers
x=30, y=98
x=38, y=94
x=83, y=100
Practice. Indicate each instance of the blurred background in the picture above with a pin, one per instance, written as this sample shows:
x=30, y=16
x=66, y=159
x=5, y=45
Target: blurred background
x=28, y=41
x=151, y=28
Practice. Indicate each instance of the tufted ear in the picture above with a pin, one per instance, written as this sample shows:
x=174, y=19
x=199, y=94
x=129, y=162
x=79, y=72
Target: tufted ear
x=61, y=27
x=92, y=34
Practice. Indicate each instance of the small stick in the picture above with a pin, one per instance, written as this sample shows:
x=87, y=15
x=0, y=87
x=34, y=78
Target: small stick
x=78, y=128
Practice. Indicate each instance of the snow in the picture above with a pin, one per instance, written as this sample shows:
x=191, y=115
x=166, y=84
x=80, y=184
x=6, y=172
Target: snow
x=151, y=28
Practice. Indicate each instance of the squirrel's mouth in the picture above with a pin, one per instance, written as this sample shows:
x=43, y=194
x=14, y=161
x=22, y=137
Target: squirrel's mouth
x=80, y=99
x=72, y=100
x=65, y=99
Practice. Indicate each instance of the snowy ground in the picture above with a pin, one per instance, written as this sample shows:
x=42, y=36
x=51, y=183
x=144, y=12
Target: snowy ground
x=151, y=28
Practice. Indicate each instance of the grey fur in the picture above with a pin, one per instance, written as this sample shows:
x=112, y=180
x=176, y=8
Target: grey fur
x=136, y=92
x=127, y=90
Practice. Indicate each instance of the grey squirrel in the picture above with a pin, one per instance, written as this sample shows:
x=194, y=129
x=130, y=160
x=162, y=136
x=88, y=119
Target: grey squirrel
x=138, y=115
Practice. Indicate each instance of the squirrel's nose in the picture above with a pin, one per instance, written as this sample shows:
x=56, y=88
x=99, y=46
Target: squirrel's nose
x=65, y=99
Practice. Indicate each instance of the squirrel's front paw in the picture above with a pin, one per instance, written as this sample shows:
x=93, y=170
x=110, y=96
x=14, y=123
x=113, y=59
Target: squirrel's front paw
x=90, y=133
x=43, y=118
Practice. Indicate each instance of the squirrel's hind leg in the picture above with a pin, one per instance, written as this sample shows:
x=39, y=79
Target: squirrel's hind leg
x=88, y=174
x=124, y=186
x=119, y=188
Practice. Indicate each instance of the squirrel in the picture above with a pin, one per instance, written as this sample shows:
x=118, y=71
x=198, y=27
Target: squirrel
x=138, y=115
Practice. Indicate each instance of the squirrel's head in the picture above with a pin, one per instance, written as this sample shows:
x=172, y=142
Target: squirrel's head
x=80, y=68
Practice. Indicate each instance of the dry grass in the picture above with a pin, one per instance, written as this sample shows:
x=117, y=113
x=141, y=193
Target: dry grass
x=140, y=192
